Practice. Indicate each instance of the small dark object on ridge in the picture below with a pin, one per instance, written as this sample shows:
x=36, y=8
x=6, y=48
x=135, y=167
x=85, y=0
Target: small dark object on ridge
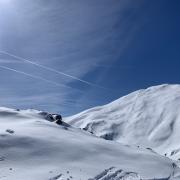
x=58, y=118
x=54, y=118
x=10, y=131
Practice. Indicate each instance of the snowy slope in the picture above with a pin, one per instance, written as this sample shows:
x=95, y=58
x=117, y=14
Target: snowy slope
x=32, y=148
x=148, y=117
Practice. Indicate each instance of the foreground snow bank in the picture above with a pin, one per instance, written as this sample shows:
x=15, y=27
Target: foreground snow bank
x=33, y=148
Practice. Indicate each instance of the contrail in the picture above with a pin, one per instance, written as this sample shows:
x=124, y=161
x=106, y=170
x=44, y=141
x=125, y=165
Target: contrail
x=51, y=69
x=33, y=76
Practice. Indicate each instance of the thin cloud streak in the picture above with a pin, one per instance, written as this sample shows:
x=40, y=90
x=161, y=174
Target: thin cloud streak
x=51, y=69
x=34, y=76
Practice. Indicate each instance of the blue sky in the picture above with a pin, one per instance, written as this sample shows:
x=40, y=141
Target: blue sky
x=117, y=46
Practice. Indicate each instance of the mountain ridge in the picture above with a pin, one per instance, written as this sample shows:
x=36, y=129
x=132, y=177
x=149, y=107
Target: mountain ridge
x=148, y=117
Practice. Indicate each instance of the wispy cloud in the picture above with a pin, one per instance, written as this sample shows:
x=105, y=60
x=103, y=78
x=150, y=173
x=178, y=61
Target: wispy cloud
x=72, y=38
x=8, y=61
x=46, y=68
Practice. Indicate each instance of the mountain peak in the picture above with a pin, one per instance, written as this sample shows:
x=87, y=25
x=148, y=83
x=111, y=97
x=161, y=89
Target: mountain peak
x=148, y=117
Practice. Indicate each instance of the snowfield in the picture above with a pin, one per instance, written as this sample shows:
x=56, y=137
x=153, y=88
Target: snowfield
x=33, y=148
x=147, y=118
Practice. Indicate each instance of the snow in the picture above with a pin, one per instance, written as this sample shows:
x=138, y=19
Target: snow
x=33, y=148
x=148, y=118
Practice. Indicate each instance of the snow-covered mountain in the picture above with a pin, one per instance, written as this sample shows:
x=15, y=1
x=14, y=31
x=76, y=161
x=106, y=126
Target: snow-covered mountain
x=148, y=118
x=33, y=148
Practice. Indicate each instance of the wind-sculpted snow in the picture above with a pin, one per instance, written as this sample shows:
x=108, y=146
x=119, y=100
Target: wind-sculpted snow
x=118, y=174
x=148, y=118
x=33, y=148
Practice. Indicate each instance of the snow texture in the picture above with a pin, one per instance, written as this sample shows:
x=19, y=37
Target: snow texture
x=148, y=118
x=34, y=148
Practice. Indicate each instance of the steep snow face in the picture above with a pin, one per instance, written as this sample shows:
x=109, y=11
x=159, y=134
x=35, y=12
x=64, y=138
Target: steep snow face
x=33, y=148
x=149, y=117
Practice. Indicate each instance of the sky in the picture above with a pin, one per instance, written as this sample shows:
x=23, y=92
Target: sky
x=65, y=56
